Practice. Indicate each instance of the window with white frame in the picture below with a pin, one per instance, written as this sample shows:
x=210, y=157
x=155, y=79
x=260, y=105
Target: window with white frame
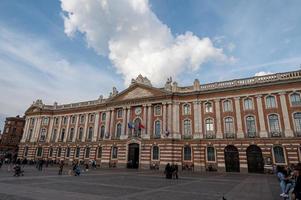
x=114, y=152
x=295, y=99
x=45, y=120
x=102, y=132
x=248, y=104
x=297, y=121
x=274, y=125
x=229, y=125
x=210, y=154
x=208, y=107
x=82, y=119
x=103, y=117
x=43, y=135
x=91, y=118
x=65, y=119
x=209, y=125
x=270, y=102
x=187, y=127
x=90, y=133
x=118, y=130
x=155, y=153
x=71, y=134
x=187, y=152
x=157, y=110
x=99, y=152
x=279, y=155
x=119, y=113
x=73, y=119
x=157, y=128
x=227, y=105
x=39, y=151
x=251, y=127
x=80, y=133
x=56, y=120
x=186, y=109
x=87, y=152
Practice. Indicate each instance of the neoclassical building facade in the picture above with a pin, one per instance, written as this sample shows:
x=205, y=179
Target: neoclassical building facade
x=238, y=125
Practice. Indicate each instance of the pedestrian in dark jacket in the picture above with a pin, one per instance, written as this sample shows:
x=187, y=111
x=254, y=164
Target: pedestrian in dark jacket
x=61, y=168
x=297, y=189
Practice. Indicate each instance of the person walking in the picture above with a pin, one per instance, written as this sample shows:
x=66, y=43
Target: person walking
x=61, y=166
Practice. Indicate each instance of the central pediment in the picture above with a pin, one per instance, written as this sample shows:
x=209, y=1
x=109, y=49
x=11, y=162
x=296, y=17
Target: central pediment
x=137, y=93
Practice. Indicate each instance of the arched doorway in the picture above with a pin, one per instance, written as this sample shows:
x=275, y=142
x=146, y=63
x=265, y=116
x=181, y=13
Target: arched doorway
x=133, y=156
x=255, y=159
x=231, y=159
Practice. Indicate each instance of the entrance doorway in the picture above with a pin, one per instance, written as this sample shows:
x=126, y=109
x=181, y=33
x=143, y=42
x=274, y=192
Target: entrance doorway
x=255, y=159
x=133, y=156
x=231, y=159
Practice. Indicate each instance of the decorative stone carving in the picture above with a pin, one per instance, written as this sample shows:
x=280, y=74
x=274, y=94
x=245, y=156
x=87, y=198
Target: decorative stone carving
x=168, y=85
x=137, y=93
x=174, y=86
x=142, y=80
x=114, y=92
x=38, y=103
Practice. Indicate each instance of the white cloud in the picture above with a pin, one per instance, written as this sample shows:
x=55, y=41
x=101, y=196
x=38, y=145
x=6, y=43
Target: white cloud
x=135, y=40
x=262, y=73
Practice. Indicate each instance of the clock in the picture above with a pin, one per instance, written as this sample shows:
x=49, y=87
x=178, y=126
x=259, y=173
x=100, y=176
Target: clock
x=138, y=110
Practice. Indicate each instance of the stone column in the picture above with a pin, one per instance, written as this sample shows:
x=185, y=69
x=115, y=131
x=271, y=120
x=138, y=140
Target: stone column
x=128, y=115
x=107, y=123
x=196, y=116
x=96, y=122
x=262, y=132
x=288, y=132
x=149, y=120
x=67, y=129
x=176, y=123
x=76, y=129
x=164, y=120
x=112, y=127
x=200, y=121
x=25, y=132
x=58, y=132
x=240, y=133
x=49, y=131
x=85, y=127
x=36, y=129
x=124, y=123
x=218, y=121
x=145, y=135
x=169, y=118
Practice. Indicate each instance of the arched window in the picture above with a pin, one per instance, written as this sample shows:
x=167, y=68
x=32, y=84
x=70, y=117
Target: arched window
x=43, y=135
x=155, y=153
x=103, y=117
x=210, y=154
x=157, y=128
x=274, y=125
x=39, y=151
x=45, y=120
x=270, y=102
x=82, y=119
x=119, y=113
x=68, y=152
x=73, y=118
x=227, y=106
x=65, y=119
x=50, y=152
x=279, y=154
x=62, y=135
x=297, y=120
x=114, y=152
x=209, y=125
x=77, y=152
x=186, y=109
x=248, y=104
x=91, y=118
x=187, y=153
x=90, y=133
x=157, y=110
x=25, y=151
x=99, y=152
x=102, y=132
x=87, y=152
x=229, y=127
x=251, y=127
x=59, y=152
x=80, y=133
x=71, y=135
x=208, y=107
x=295, y=99
x=56, y=120
x=187, y=127
x=118, y=130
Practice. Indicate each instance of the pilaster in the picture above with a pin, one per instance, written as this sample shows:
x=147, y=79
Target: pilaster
x=263, y=132
x=288, y=132
x=218, y=122
x=240, y=133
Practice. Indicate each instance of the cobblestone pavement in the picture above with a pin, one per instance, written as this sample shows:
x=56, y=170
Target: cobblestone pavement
x=119, y=184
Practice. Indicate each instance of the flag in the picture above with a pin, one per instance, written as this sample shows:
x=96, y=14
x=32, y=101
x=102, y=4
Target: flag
x=130, y=125
x=141, y=126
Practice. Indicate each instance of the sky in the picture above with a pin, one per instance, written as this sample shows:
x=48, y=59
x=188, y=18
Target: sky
x=76, y=50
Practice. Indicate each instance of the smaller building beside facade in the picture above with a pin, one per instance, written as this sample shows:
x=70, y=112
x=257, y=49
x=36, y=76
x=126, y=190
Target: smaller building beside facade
x=12, y=134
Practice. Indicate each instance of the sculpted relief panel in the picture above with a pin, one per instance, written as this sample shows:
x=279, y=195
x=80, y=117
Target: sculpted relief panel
x=137, y=93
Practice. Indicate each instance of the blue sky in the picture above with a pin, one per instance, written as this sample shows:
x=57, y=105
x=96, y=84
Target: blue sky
x=69, y=51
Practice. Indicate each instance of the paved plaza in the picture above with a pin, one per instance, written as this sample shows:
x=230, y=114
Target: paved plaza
x=132, y=184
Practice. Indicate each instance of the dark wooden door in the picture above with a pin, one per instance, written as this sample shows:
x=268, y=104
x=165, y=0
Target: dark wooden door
x=255, y=159
x=133, y=156
x=231, y=159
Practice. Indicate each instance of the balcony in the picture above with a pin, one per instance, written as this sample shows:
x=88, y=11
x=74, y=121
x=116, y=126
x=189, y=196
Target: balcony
x=230, y=135
x=187, y=136
x=251, y=134
x=275, y=134
x=210, y=135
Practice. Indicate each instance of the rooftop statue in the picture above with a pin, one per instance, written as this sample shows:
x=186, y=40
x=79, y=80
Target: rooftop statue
x=142, y=80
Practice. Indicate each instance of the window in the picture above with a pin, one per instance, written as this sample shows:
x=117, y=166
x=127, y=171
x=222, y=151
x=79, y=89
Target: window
x=103, y=117
x=45, y=120
x=274, y=125
x=209, y=125
x=157, y=128
x=210, y=154
x=29, y=134
x=32, y=121
x=71, y=135
x=187, y=153
x=119, y=113
x=102, y=132
x=80, y=134
x=270, y=102
x=279, y=154
x=56, y=120
x=50, y=152
x=90, y=133
x=227, y=106
x=54, y=135
x=65, y=119
x=297, y=120
x=229, y=127
x=248, y=104
x=25, y=151
x=187, y=127
x=39, y=151
x=157, y=110
x=62, y=135
x=87, y=152
x=295, y=99
x=114, y=152
x=59, y=152
x=73, y=120
x=92, y=116
x=77, y=152
x=251, y=128
x=155, y=153
x=43, y=135
x=68, y=152
x=82, y=119
x=186, y=109
x=208, y=107
x=99, y=152
x=118, y=130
